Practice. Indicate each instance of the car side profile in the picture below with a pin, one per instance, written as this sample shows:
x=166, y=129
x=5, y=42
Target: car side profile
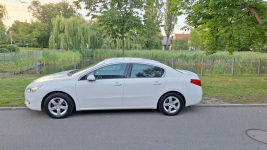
x=117, y=83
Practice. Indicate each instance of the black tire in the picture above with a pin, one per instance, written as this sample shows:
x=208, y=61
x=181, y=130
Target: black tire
x=56, y=97
x=172, y=96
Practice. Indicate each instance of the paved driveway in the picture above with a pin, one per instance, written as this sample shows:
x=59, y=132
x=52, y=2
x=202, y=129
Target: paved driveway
x=196, y=128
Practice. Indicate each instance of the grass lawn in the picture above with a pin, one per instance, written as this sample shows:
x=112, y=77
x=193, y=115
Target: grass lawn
x=234, y=89
x=217, y=89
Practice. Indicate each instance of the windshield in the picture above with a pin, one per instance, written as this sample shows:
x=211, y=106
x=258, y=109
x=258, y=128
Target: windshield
x=84, y=70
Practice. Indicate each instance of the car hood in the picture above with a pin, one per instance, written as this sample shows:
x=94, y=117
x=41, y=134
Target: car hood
x=55, y=76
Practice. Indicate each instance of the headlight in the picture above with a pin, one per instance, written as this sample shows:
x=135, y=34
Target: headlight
x=33, y=89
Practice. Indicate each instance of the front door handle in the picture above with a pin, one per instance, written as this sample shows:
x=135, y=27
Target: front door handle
x=117, y=84
x=157, y=83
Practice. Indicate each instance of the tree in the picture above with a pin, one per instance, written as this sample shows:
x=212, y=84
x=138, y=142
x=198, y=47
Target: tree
x=195, y=42
x=117, y=18
x=150, y=32
x=40, y=34
x=235, y=24
x=44, y=13
x=170, y=19
x=32, y=34
x=3, y=35
x=180, y=44
x=3, y=12
x=73, y=34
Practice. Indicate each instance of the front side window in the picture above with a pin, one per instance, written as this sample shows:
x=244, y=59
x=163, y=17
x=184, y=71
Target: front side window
x=110, y=72
x=146, y=71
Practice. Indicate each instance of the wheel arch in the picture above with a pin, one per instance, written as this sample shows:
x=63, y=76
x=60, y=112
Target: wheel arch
x=43, y=100
x=172, y=92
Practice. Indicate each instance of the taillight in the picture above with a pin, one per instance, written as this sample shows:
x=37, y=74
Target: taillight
x=196, y=82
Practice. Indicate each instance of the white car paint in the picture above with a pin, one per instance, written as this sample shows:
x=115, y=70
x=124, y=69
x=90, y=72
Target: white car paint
x=123, y=93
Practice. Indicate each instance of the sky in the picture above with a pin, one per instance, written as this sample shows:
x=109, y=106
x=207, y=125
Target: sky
x=19, y=11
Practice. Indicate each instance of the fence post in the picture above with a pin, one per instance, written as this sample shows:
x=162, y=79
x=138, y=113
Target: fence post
x=36, y=63
x=11, y=56
x=233, y=66
x=74, y=63
x=172, y=63
x=4, y=57
x=63, y=64
x=259, y=67
x=202, y=66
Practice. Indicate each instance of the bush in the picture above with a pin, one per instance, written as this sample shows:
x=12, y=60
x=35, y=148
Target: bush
x=21, y=44
x=13, y=48
x=180, y=44
x=3, y=50
x=8, y=48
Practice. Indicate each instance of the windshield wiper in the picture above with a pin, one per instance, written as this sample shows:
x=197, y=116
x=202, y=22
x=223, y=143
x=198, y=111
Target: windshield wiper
x=72, y=72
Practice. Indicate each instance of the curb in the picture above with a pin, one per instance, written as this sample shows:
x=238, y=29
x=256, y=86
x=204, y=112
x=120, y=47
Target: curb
x=230, y=105
x=198, y=105
x=13, y=108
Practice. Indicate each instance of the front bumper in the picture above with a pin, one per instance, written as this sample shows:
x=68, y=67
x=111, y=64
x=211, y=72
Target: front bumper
x=32, y=101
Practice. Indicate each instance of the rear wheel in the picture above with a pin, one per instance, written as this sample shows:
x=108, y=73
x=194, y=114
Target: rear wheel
x=171, y=104
x=58, y=105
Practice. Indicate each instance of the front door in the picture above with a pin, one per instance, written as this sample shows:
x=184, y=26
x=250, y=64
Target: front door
x=106, y=91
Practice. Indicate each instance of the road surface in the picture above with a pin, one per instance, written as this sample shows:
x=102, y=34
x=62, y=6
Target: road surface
x=195, y=128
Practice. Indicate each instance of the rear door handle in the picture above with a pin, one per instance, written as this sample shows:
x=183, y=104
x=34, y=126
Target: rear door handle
x=117, y=84
x=157, y=83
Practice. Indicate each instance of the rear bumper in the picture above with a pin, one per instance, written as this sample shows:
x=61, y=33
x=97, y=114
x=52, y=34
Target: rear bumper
x=195, y=97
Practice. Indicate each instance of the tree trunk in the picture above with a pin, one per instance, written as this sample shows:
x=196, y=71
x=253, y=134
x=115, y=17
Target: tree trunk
x=123, y=46
x=167, y=43
x=253, y=11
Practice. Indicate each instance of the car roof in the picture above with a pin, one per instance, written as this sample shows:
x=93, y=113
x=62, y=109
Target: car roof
x=130, y=60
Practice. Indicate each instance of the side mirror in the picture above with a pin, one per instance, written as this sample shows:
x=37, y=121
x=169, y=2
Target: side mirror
x=91, y=78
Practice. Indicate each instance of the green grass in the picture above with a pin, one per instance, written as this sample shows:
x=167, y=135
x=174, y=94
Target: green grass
x=234, y=89
x=12, y=89
x=217, y=89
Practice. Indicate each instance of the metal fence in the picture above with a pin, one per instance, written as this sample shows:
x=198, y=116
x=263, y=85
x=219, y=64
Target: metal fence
x=28, y=62
x=219, y=66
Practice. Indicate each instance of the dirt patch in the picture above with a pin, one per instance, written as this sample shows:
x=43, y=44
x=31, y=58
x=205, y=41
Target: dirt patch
x=207, y=100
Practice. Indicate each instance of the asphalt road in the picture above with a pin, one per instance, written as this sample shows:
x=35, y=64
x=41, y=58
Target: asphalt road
x=196, y=128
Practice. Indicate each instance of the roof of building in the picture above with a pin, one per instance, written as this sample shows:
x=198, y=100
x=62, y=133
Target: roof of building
x=179, y=36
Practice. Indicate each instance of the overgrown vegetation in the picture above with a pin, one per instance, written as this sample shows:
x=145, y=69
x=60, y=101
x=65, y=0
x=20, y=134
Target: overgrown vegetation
x=160, y=55
x=25, y=60
x=51, y=57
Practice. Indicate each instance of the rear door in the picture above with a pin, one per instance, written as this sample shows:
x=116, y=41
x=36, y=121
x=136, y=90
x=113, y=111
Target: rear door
x=143, y=85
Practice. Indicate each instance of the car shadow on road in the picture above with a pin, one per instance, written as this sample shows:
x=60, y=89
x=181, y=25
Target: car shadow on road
x=186, y=110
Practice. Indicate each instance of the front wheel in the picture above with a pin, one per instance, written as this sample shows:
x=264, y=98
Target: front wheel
x=171, y=104
x=58, y=105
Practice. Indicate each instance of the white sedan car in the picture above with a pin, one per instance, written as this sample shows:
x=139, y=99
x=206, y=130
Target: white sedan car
x=118, y=83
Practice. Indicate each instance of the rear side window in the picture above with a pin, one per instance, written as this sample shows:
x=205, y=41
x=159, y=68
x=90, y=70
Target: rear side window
x=146, y=71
